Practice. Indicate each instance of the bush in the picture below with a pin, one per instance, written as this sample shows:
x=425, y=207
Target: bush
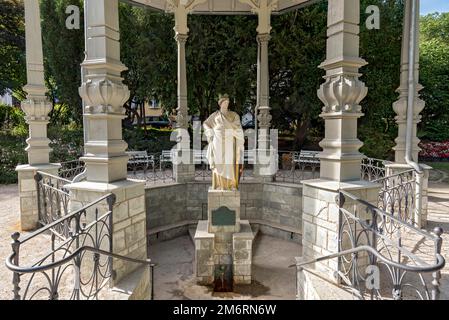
x=155, y=141
x=434, y=150
x=12, y=153
x=376, y=144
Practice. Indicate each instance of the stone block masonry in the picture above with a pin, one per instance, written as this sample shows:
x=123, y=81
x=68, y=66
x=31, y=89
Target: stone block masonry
x=321, y=220
x=29, y=214
x=129, y=218
x=276, y=207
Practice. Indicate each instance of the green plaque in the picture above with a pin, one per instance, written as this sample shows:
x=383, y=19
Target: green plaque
x=223, y=216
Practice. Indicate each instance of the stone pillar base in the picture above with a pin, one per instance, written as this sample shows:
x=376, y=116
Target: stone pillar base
x=129, y=218
x=213, y=250
x=266, y=165
x=184, y=173
x=29, y=214
x=321, y=219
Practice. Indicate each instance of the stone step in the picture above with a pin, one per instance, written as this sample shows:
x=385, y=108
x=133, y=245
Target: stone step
x=135, y=286
x=192, y=231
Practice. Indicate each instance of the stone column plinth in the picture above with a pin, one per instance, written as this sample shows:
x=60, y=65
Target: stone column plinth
x=129, y=218
x=322, y=222
x=29, y=215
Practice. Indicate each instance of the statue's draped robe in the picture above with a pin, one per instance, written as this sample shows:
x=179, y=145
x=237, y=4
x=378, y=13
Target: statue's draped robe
x=226, y=149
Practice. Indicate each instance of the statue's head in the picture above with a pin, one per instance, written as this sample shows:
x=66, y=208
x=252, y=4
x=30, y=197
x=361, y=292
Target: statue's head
x=223, y=101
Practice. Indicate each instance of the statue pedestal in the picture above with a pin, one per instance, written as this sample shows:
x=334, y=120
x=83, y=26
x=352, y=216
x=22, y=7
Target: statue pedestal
x=223, y=243
x=223, y=211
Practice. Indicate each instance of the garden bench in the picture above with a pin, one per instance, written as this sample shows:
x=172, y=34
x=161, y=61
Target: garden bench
x=140, y=159
x=306, y=157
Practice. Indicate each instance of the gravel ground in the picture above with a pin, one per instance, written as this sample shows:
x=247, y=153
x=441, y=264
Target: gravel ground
x=9, y=209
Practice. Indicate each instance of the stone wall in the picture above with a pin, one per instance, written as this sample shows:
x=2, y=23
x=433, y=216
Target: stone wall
x=275, y=207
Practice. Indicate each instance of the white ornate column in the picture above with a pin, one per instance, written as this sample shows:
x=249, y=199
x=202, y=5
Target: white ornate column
x=263, y=9
x=104, y=94
x=400, y=107
x=341, y=94
x=183, y=166
x=36, y=107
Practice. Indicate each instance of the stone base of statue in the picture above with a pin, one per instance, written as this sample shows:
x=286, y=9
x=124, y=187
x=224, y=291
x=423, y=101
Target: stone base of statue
x=223, y=243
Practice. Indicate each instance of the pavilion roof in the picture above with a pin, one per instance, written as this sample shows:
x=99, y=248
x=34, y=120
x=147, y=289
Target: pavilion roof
x=216, y=7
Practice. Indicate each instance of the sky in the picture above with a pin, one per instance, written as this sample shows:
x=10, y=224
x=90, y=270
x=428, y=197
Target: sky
x=430, y=6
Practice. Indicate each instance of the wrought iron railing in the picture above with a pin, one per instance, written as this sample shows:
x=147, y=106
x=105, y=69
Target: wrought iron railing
x=407, y=261
x=52, y=198
x=153, y=168
x=294, y=167
x=397, y=195
x=78, y=265
x=373, y=169
x=70, y=169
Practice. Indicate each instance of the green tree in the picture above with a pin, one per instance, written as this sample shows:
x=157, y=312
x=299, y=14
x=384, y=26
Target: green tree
x=63, y=54
x=434, y=74
x=12, y=47
x=382, y=50
x=297, y=48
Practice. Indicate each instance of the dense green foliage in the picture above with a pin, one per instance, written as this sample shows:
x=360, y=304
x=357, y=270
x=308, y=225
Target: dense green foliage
x=435, y=76
x=64, y=51
x=12, y=47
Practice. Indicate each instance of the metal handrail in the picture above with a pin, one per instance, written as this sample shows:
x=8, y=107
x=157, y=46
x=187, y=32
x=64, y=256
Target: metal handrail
x=391, y=217
x=70, y=215
x=397, y=260
x=431, y=268
x=11, y=266
x=394, y=175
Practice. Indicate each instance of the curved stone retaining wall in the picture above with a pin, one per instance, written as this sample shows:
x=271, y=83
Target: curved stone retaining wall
x=272, y=208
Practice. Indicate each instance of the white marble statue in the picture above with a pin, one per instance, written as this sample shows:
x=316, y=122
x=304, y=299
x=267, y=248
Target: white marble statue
x=226, y=146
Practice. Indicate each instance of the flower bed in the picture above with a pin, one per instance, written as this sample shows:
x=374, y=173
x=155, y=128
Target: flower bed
x=434, y=151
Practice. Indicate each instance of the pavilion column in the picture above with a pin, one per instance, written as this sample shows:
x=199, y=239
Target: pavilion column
x=104, y=94
x=263, y=79
x=341, y=94
x=264, y=168
x=36, y=107
x=400, y=107
x=183, y=165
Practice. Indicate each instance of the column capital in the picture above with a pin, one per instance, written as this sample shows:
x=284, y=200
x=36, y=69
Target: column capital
x=263, y=38
x=181, y=9
x=263, y=9
x=181, y=38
